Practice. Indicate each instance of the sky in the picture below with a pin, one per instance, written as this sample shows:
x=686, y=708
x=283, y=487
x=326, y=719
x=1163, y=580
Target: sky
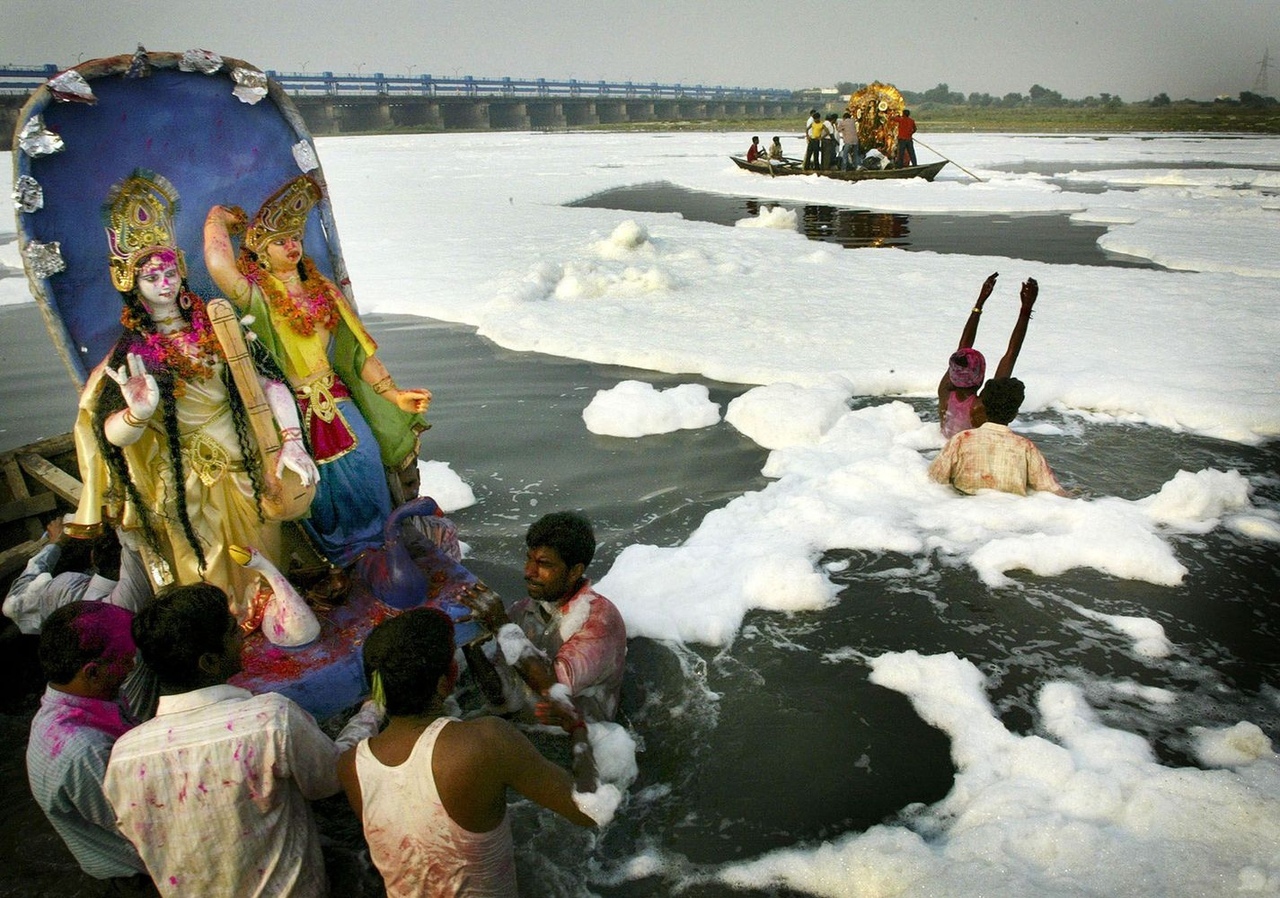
x=1185, y=48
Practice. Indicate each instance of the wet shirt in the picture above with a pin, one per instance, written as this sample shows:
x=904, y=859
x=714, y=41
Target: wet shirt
x=71, y=739
x=993, y=457
x=416, y=846
x=587, y=639
x=214, y=793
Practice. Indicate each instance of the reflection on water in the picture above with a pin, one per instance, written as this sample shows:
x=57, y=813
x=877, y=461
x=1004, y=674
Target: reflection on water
x=1039, y=238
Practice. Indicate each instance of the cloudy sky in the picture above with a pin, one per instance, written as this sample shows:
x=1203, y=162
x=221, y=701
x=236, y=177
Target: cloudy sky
x=1132, y=48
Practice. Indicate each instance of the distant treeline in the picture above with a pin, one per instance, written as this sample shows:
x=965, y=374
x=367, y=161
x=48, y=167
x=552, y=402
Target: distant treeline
x=1044, y=98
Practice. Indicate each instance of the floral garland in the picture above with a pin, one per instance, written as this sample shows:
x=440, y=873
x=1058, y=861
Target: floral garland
x=189, y=354
x=317, y=306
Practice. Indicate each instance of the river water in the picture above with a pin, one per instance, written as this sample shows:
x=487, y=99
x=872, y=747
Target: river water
x=770, y=742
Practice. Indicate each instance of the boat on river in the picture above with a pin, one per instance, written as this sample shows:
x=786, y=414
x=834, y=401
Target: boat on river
x=791, y=167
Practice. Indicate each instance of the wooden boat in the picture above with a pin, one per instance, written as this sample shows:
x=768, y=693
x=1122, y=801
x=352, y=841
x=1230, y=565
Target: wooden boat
x=773, y=169
x=40, y=482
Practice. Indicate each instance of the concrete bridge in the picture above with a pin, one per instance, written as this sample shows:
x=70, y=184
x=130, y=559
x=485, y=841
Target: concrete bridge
x=341, y=115
x=346, y=104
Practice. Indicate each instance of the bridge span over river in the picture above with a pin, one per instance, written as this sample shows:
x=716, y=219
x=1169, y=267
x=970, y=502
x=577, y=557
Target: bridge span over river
x=346, y=104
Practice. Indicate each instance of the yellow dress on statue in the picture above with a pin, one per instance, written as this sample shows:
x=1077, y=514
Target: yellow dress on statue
x=218, y=491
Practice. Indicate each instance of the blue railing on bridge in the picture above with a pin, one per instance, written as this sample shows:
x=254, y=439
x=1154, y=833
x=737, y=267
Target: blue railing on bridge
x=17, y=79
x=24, y=79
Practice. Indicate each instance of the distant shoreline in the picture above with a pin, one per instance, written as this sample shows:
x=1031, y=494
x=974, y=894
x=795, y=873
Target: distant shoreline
x=1220, y=118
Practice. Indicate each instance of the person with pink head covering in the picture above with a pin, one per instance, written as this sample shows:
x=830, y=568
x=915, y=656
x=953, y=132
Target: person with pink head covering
x=959, y=406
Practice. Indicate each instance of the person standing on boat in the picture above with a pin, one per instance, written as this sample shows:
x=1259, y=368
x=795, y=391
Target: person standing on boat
x=829, y=142
x=813, y=141
x=906, y=139
x=959, y=405
x=357, y=419
x=848, y=130
x=162, y=433
x=755, y=151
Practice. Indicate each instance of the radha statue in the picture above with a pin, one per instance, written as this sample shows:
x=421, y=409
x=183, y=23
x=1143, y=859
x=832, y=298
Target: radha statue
x=359, y=422
x=167, y=450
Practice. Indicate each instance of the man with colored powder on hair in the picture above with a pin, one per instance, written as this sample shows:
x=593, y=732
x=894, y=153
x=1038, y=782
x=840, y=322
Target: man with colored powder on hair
x=213, y=791
x=992, y=456
x=86, y=651
x=959, y=406
x=563, y=637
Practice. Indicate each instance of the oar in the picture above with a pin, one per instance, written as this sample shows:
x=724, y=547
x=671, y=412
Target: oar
x=952, y=161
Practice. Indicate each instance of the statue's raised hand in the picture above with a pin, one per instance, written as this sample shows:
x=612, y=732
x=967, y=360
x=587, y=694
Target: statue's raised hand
x=141, y=393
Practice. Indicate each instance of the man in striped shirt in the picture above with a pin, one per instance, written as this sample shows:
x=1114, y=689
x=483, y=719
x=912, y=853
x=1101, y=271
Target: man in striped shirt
x=86, y=651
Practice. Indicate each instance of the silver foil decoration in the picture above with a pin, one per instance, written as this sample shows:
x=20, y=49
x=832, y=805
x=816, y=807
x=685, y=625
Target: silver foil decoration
x=35, y=140
x=305, y=155
x=70, y=87
x=140, y=65
x=44, y=259
x=28, y=195
x=251, y=85
x=202, y=61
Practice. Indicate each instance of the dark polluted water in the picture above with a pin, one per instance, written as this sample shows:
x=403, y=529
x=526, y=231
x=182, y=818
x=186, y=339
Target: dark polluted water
x=1051, y=238
x=778, y=740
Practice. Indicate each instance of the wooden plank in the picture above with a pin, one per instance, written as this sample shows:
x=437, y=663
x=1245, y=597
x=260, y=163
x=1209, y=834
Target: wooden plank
x=12, y=561
x=31, y=506
x=18, y=489
x=51, y=476
x=62, y=444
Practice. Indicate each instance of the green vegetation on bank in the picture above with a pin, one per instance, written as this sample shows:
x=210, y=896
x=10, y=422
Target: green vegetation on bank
x=1184, y=116
x=1043, y=109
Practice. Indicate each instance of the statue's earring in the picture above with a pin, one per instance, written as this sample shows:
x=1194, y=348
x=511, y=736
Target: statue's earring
x=184, y=300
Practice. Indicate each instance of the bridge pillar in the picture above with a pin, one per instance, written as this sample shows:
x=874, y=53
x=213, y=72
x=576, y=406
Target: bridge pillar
x=508, y=116
x=613, y=112
x=547, y=114
x=580, y=112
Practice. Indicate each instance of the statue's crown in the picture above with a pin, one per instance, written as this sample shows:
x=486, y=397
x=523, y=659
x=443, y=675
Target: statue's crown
x=284, y=212
x=139, y=221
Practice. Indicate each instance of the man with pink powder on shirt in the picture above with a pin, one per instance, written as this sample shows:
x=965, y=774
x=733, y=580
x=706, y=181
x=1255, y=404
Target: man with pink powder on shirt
x=576, y=639
x=86, y=651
